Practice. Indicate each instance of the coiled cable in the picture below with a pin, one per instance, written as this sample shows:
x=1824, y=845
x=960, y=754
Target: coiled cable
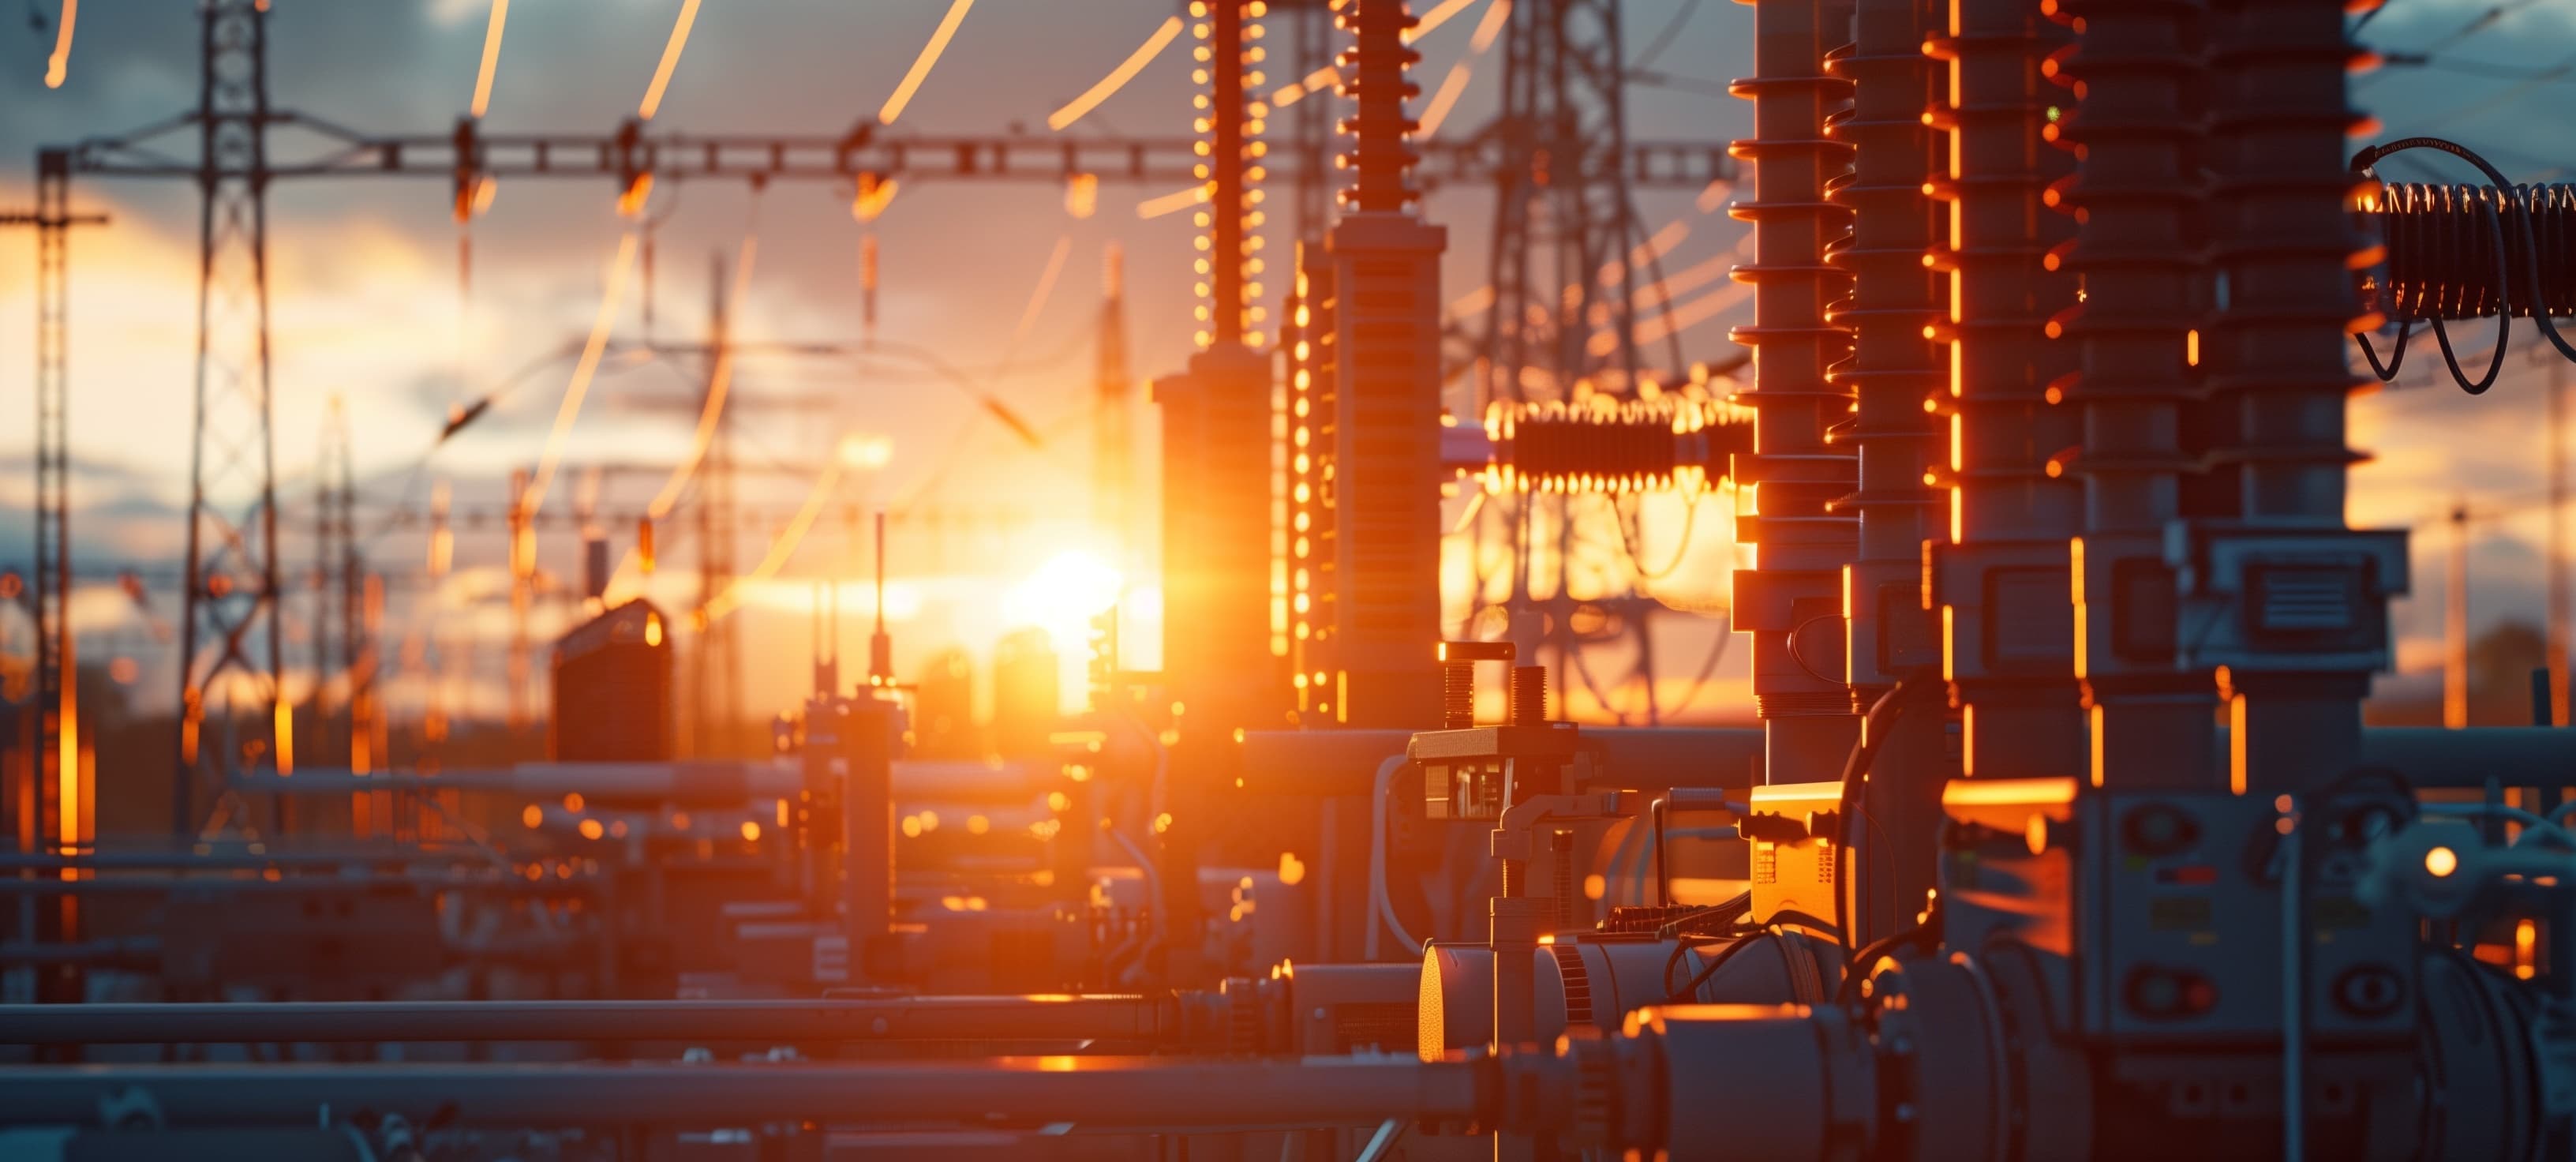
x=2463, y=251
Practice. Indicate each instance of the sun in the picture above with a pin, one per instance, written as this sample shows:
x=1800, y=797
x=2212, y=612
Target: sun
x=1063, y=595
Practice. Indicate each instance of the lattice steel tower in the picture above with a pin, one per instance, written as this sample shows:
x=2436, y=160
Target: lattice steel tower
x=1562, y=214
x=229, y=663
x=1563, y=310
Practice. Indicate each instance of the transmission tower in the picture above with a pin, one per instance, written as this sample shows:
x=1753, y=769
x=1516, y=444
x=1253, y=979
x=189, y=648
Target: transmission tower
x=337, y=579
x=1562, y=216
x=716, y=675
x=229, y=661
x=1563, y=312
x=52, y=220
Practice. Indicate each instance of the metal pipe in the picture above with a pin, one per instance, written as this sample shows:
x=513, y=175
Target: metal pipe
x=373, y=885
x=957, y=1018
x=1092, y=1092
x=684, y=783
x=236, y=859
x=1344, y=762
x=2505, y=756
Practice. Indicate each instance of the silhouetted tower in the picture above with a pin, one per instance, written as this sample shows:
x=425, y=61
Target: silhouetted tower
x=715, y=702
x=523, y=595
x=1563, y=312
x=337, y=584
x=1561, y=215
x=56, y=712
x=229, y=655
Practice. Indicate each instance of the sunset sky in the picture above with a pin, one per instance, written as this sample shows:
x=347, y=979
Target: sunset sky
x=366, y=303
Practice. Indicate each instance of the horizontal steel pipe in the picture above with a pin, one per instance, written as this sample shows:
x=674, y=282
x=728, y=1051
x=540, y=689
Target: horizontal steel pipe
x=295, y=885
x=2507, y=756
x=696, y=782
x=1344, y=762
x=1090, y=1092
x=1012, y=1018
x=234, y=858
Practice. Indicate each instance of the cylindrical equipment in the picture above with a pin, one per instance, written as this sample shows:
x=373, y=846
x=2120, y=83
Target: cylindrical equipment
x=2001, y=578
x=1457, y=695
x=1596, y=981
x=1529, y=695
x=1791, y=601
x=1384, y=428
x=1896, y=375
x=2137, y=202
x=2314, y=601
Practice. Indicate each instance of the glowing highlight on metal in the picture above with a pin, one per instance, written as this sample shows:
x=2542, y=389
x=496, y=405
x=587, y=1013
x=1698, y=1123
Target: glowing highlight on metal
x=591, y=350
x=670, y=59
x=58, y=66
x=491, y=56
x=1117, y=79
x=921, y=64
x=719, y=381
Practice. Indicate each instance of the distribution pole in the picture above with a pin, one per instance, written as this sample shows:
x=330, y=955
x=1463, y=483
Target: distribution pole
x=2455, y=624
x=523, y=575
x=2558, y=597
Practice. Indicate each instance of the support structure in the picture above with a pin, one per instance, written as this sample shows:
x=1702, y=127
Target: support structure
x=2557, y=588
x=715, y=673
x=230, y=665
x=1561, y=324
x=53, y=762
x=1562, y=215
x=339, y=581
